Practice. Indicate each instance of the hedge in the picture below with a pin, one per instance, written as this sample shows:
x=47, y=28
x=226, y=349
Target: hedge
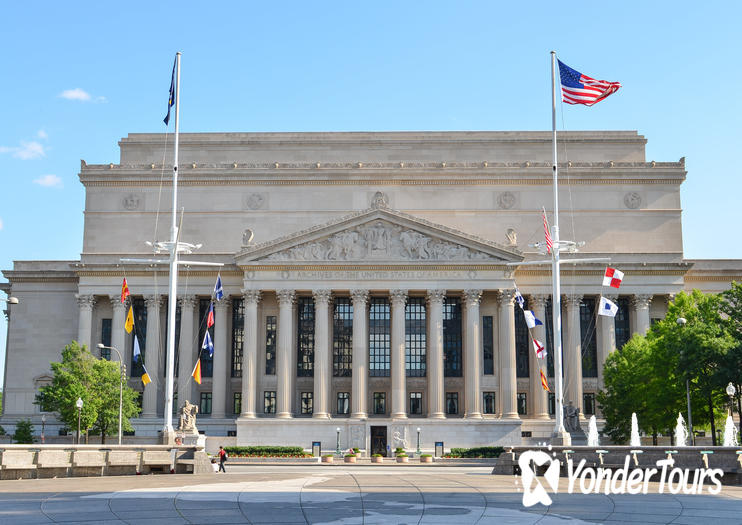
x=266, y=451
x=476, y=452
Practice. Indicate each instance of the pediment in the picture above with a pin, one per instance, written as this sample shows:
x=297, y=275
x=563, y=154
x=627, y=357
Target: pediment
x=379, y=235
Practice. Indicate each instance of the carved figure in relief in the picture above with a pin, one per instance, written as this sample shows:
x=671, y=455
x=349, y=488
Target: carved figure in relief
x=399, y=437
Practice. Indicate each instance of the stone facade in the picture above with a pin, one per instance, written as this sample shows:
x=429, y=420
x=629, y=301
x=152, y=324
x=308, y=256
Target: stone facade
x=368, y=279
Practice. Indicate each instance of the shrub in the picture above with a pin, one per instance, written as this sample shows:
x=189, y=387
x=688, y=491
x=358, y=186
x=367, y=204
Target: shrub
x=23, y=432
x=476, y=452
x=350, y=455
x=402, y=455
x=267, y=450
x=426, y=455
x=356, y=450
x=328, y=456
x=376, y=455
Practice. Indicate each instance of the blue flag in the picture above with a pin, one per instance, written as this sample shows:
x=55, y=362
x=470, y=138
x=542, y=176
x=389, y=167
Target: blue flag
x=208, y=344
x=171, y=100
x=218, y=290
x=519, y=299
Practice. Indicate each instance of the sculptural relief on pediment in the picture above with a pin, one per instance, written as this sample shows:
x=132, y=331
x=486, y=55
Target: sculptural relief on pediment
x=378, y=240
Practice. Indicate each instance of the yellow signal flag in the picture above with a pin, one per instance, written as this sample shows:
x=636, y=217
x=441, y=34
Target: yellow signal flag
x=129, y=325
x=197, y=372
x=145, y=378
x=544, y=383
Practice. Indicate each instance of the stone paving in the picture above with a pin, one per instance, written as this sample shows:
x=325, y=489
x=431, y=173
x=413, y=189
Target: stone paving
x=318, y=494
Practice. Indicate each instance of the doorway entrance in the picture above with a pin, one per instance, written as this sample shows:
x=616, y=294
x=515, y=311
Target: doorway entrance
x=378, y=440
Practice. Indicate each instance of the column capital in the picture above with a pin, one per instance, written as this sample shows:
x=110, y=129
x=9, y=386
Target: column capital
x=285, y=297
x=223, y=305
x=611, y=296
x=187, y=301
x=252, y=296
x=85, y=302
x=537, y=301
x=641, y=301
x=322, y=297
x=359, y=296
x=669, y=298
x=116, y=302
x=154, y=301
x=436, y=296
x=572, y=300
x=398, y=297
x=472, y=297
x=506, y=297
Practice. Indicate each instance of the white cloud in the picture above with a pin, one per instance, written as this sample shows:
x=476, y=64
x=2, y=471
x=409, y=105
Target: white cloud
x=42, y=134
x=49, y=181
x=75, y=94
x=26, y=151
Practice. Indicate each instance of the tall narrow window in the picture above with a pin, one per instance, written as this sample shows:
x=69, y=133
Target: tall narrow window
x=140, y=329
x=379, y=337
x=588, y=403
x=269, y=402
x=343, y=403
x=452, y=403
x=489, y=402
x=416, y=402
x=307, y=403
x=205, y=405
x=452, y=337
x=588, y=337
x=305, y=337
x=342, y=338
x=522, y=343
x=105, y=339
x=522, y=401
x=237, y=402
x=623, y=330
x=552, y=404
x=488, y=348
x=238, y=335
x=415, y=337
x=548, y=323
x=379, y=403
x=207, y=361
x=270, y=345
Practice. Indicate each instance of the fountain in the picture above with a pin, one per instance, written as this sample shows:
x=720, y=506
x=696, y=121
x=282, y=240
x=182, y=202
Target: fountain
x=635, y=440
x=681, y=432
x=592, y=433
x=730, y=433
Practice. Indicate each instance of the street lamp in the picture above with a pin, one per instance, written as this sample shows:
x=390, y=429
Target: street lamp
x=681, y=322
x=10, y=300
x=418, y=441
x=122, y=378
x=43, y=423
x=730, y=392
x=337, y=443
x=78, y=404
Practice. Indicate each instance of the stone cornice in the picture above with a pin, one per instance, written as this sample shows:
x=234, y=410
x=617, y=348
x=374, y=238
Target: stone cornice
x=373, y=267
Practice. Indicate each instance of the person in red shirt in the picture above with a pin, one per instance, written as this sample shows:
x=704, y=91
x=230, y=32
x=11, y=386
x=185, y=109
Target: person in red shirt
x=222, y=459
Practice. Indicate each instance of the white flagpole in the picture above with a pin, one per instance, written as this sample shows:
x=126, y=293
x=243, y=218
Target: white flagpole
x=167, y=430
x=560, y=435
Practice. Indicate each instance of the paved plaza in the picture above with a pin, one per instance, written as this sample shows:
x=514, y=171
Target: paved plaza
x=340, y=495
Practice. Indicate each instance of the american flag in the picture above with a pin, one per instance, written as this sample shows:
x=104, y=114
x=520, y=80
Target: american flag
x=549, y=242
x=581, y=89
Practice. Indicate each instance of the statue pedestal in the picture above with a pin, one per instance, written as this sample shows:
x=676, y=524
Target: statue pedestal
x=561, y=438
x=189, y=439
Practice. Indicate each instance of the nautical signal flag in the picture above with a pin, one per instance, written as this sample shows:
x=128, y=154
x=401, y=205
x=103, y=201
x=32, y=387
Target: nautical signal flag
x=171, y=98
x=129, y=324
x=519, y=299
x=612, y=277
x=124, y=291
x=547, y=235
x=218, y=290
x=544, y=383
x=540, y=349
x=210, y=316
x=531, y=320
x=581, y=89
x=607, y=307
x=196, y=374
x=138, y=359
x=208, y=344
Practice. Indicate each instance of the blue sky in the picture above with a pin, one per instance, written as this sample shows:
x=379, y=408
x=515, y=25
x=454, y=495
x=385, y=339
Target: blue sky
x=79, y=76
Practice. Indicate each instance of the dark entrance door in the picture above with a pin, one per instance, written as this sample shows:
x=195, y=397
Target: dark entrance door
x=378, y=440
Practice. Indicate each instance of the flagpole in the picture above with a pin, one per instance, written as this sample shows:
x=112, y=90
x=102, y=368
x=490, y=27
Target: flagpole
x=560, y=435
x=167, y=431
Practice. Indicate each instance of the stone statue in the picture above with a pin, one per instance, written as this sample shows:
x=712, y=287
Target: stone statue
x=188, y=418
x=512, y=237
x=247, y=237
x=571, y=418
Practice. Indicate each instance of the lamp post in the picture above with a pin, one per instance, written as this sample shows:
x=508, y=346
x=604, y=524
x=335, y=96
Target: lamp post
x=122, y=377
x=730, y=392
x=43, y=423
x=10, y=300
x=418, y=441
x=681, y=322
x=78, y=404
x=337, y=442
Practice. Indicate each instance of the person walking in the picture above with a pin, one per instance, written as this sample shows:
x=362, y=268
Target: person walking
x=222, y=458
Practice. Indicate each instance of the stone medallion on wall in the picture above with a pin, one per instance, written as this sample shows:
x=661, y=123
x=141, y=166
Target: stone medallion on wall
x=132, y=201
x=632, y=200
x=255, y=201
x=506, y=200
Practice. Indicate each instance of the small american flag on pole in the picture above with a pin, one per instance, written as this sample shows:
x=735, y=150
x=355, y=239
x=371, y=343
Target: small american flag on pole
x=549, y=242
x=581, y=89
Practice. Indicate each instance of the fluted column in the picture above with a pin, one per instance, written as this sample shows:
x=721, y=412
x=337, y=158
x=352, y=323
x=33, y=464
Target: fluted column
x=85, y=323
x=152, y=355
x=186, y=354
x=285, y=368
x=321, y=353
x=606, y=339
x=359, y=394
x=250, y=353
x=509, y=388
x=399, y=374
x=436, y=386
x=472, y=365
x=539, y=399
x=641, y=303
x=221, y=359
x=118, y=339
x=573, y=353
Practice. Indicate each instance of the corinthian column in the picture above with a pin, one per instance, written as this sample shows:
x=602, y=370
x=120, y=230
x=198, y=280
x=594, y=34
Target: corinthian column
x=641, y=303
x=472, y=368
x=573, y=353
x=152, y=355
x=85, y=322
x=118, y=339
x=537, y=303
x=399, y=375
x=285, y=368
x=186, y=355
x=250, y=353
x=509, y=394
x=436, y=387
x=221, y=358
x=360, y=353
x=606, y=339
x=321, y=353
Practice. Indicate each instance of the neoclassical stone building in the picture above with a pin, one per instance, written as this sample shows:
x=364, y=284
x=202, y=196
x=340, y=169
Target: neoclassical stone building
x=369, y=280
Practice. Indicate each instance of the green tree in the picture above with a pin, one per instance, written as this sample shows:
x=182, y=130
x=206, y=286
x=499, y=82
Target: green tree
x=731, y=371
x=23, y=432
x=96, y=382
